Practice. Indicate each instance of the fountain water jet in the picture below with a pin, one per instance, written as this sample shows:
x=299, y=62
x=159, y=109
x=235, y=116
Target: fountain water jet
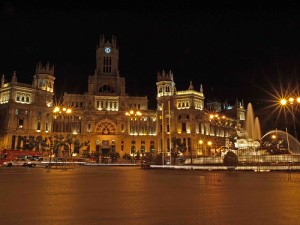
x=289, y=140
x=257, y=130
x=252, y=126
x=252, y=134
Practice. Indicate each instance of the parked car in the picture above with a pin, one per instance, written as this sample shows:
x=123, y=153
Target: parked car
x=19, y=162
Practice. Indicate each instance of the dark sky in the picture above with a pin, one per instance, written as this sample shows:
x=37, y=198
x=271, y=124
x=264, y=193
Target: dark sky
x=234, y=51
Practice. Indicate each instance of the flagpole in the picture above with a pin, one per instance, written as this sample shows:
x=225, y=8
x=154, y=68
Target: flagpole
x=162, y=133
x=170, y=142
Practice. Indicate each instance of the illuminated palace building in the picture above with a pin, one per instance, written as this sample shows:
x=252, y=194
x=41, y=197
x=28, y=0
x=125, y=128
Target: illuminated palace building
x=107, y=118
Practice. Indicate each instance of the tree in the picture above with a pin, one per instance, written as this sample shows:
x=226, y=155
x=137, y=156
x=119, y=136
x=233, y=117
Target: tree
x=148, y=156
x=70, y=139
x=114, y=156
x=126, y=156
x=40, y=143
x=77, y=146
x=59, y=142
x=49, y=144
x=29, y=143
x=177, y=148
x=158, y=159
x=86, y=144
x=230, y=159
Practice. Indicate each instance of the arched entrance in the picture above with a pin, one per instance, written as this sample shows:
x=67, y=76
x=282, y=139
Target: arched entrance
x=105, y=144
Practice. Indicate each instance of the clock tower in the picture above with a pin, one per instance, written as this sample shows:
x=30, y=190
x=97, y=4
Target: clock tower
x=106, y=78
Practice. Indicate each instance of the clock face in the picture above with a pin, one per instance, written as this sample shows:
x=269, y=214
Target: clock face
x=107, y=49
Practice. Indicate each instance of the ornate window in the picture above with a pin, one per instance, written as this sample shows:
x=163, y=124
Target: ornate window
x=38, y=125
x=39, y=115
x=106, y=89
x=106, y=127
x=43, y=84
x=20, y=123
x=22, y=97
x=5, y=97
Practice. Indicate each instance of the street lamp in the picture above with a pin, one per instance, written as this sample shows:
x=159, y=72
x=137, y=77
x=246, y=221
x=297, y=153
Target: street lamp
x=291, y=102
x=209, y=143
x=201, y=147
x=58, y=113
x=61, y=111
x=133, y=116
x=218, y=120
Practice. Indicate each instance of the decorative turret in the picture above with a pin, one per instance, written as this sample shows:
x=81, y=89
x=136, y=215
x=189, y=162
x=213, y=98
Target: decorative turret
x=47, y=69
x=165, y=76
x=14, y=77
x=111, y=43
x=44, y=77
x=165, y=84
x=191, y=87
x=201, y=88
x=2, y=80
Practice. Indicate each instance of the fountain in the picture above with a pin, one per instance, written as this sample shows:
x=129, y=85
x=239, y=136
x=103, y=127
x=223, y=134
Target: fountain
x=290, y=142
x=250, y=135
x=252, y=126
x=274, y=147
x=257, y=130
x=249, y=123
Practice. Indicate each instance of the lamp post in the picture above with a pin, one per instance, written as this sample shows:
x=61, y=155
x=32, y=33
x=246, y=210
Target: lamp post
x=209, y=143
x=133, y=116
x=291, y=103
x=58, y=113
x=218, y=121
x=201, y=147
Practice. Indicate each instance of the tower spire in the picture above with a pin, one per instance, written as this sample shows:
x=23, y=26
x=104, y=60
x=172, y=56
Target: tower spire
x=2, y=79
x=14, y=77
x=201, y=88
x=191, y=87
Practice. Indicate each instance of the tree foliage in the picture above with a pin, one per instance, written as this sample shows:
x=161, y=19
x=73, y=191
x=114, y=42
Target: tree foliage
x=231, y=159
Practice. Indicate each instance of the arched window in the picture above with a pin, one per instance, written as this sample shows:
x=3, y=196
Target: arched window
x=106, y=89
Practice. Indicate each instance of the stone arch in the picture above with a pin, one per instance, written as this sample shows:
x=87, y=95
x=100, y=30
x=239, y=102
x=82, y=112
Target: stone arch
x=106, y=127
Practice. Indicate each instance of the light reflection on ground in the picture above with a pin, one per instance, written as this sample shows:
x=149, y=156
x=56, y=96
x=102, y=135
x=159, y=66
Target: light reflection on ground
x=127, y=195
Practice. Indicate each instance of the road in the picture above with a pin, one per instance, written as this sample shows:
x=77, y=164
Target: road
x=130, y=195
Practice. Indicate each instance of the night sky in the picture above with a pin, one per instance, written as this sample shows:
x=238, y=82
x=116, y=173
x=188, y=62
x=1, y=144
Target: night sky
x=244, y=52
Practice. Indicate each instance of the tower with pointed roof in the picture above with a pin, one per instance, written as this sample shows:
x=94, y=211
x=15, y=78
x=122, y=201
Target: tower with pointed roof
x=106, y=79
x=165, y=87
x=44, y=77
